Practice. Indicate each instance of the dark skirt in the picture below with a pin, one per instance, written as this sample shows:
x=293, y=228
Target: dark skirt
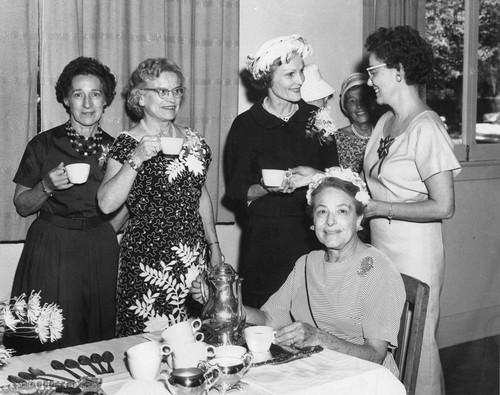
x=270, y=247
x=77, y=270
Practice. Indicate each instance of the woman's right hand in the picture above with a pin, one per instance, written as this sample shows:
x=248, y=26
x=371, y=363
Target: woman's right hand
x=196, y=289
x=302, y=175
x=148, y=147
x=57, y=179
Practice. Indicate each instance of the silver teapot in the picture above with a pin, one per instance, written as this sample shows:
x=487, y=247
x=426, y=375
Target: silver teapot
x=223, y=314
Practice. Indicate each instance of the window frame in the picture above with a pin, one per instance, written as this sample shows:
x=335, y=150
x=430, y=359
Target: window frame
x=469, y=150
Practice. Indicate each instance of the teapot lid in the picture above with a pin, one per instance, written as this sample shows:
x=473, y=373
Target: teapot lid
x=223, y=270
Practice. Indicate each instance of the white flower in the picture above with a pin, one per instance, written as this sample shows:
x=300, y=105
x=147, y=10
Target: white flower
x=5, y=354
x=343, y=174
x=33, y=307
x=19, y=306
x=322, y=125
x=194, y=165
x=55, y=322
x=9, y=320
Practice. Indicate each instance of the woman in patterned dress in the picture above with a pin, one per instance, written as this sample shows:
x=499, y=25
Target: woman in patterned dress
x=357, y=101
x=346, y=297
x=170, y=236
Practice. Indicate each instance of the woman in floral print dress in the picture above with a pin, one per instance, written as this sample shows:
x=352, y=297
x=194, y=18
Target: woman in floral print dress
x=170, y=236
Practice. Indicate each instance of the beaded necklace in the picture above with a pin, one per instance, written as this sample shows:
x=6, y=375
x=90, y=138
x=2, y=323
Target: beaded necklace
x=80, y=144
x=359, y=135
x=283, y=117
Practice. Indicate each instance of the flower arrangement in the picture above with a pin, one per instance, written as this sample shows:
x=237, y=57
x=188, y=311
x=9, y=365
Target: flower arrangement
x=27, y=318
x=321, y=125
x=344, y=174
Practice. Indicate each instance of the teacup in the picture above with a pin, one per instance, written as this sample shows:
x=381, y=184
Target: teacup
x=171, y=145
x=189, y=355
x=273, y=177
x=259, y=338
x=78, y=173
x=182, y=333
x=144, y=360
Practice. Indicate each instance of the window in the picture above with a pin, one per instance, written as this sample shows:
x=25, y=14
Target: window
x=465, y=89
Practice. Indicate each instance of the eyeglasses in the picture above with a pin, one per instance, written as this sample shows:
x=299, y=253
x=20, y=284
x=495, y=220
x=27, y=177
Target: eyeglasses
x=369, y=69
x=163, y=92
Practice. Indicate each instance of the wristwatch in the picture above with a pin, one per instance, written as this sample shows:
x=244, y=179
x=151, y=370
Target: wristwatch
x=133, y=165
x=47, y=191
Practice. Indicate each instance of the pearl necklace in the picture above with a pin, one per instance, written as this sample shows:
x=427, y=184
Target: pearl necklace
x=284, y=117
x=148, y=131
x=359, y=135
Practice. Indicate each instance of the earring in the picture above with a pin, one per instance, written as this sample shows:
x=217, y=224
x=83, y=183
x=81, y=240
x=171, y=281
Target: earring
x=312, y=227
x=398, y=77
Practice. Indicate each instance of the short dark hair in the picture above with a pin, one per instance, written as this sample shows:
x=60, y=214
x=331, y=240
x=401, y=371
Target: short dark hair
x=265, y=81
x=85, y=66
x=403, y=45
x=336, y=183
x=148, y=69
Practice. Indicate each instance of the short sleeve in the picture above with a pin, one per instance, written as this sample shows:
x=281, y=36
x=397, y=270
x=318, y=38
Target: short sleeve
x=433, y=147
x=29, y=172
x=383, y=299
x=122, y=147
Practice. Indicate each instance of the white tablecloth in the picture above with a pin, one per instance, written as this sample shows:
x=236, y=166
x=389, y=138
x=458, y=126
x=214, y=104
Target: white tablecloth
x=328, y=372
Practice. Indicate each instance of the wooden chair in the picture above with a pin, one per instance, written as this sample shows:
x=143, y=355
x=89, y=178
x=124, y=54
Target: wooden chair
x=411, y=331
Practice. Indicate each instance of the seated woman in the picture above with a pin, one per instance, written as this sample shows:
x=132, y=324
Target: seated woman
x=347, y=297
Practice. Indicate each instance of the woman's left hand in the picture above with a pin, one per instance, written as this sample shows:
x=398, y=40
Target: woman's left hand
x=297, y=334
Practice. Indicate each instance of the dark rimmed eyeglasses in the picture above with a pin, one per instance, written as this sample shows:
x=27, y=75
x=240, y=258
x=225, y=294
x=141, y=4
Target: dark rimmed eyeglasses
x=163, y=92
x=377, y=66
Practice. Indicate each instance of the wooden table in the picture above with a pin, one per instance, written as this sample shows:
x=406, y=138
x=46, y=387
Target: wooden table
x=327, y=372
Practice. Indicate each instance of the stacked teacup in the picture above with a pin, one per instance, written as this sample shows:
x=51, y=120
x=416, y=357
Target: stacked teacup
x=186, y=344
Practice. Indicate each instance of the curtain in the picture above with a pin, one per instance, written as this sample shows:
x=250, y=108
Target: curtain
x=388, y=13
x=200, y=36
x=18, y=98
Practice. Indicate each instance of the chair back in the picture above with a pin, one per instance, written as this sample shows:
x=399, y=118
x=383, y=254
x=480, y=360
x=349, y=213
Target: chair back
x=411, y=331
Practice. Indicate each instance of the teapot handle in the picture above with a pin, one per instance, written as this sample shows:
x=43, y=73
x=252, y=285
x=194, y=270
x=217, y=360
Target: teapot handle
x=203, y=284
x=212, y=375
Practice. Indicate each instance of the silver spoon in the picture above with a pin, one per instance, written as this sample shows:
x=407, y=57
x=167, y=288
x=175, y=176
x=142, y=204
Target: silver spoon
x=96, y=358
x=57, y=365
x=84, y=360
x=39, y=372
x=108, y=357
x=72, y=364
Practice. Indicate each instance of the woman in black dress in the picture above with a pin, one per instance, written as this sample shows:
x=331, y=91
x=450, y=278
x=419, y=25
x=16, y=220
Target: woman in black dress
x=271, y=134
x=71, y=250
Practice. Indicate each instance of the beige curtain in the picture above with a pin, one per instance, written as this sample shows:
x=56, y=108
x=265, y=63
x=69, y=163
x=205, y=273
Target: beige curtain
x=18, y=97
x=201, y=36
x=388, y=13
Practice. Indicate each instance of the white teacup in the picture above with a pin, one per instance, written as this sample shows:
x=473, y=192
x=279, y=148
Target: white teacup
x=189, y=355
x=78, y=173
x=273, y=177
x=259, y=338
x=182, y=333
x=230, y=351
x=171, y=145
x=144, y=360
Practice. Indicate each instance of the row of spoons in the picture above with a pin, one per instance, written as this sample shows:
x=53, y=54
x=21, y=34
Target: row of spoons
x=94, y=361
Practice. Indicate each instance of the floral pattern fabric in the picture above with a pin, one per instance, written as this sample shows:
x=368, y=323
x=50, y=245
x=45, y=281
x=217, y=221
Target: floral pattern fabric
x=351, y=150
x=163, y=248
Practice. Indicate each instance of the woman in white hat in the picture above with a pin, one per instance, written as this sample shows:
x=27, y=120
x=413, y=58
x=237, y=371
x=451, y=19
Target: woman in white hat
x=271, y=135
